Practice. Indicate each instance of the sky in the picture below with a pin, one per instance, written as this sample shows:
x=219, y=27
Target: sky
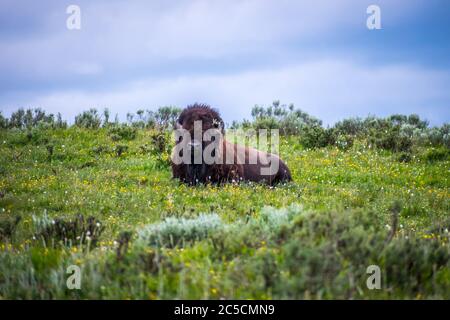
x=231, y=54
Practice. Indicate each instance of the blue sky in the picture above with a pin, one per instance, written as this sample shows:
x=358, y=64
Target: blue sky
x=318, y=55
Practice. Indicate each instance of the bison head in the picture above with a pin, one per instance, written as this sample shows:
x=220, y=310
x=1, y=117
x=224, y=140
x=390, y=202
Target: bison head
x=195, y=121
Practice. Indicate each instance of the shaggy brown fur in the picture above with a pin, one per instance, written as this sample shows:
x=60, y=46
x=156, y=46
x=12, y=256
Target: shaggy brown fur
x=239, y=169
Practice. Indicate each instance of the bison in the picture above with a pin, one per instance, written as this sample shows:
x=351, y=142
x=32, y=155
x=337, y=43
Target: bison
x=230, y=162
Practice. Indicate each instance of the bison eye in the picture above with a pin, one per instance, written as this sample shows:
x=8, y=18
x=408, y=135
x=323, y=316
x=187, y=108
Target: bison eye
x=216, y=123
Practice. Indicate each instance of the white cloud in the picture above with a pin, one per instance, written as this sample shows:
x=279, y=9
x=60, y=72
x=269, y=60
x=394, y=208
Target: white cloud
x=329, y=89
x=120, y=36
x=60, y=70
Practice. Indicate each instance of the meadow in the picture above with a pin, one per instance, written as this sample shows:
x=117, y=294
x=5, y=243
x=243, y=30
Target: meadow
x=102, y=198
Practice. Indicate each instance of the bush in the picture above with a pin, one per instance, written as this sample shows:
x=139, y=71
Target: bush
x=60, y=123
x=266, y=123
x=412, y=120
x=319, y=251
x=404, y=157
x=3, y=122
x=33, y=136
x=344, y=142
x=180, y=232
x=351, y=127
x=30, y=118
x=120, y=149
x=437, y=154
x=391, y=140
x=160, y=148
x=412, y=264
x=330, y=241
x=397, y=133
x=100, y=149
x=439, y=136
x=88, y=119
x=8, y=225
x=315, y=137
x=163, y=118
x=287, y=119
x=160, y=142
x=67, y=231
x=122, y=132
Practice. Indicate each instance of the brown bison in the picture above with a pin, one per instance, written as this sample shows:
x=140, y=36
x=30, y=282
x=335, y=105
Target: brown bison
x=203, y=155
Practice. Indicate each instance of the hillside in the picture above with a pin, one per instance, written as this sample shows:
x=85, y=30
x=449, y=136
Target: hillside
x=77, y=196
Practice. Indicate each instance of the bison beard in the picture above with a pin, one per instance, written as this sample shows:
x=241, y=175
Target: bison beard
x=240, y=169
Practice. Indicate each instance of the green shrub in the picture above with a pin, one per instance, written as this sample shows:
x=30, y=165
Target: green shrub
x=163, y=118
x=22, y=137
x=122, y=132
x=67, y=231
x=120, y=149
x=3, y=122
x=442, y=137
x=161, y=147
x=8, y=225
x=88, y=119
x=404, y=157
x=344, y=142
x=352, y=127
x=391, y=140
x=160, y=142
x=32, y=136
x=322, y=250
x=437, y=154
x=315, y=137
x=100, y=149
x=412, y=265
x=30, y=118
x=266, y=123
x=287, y=119
x=180, y=231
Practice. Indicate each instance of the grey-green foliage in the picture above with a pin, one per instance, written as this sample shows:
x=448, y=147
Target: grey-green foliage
x=40, y=222
x=88, y=119
x=280, y=116
x=8, y=225
x=272, y=219
x=3, y=121
x=122, y=132
x=396, y=132
x=32, y=118
x=67, y=230
x=182, y=231
x=179, y=231
x=162, y=118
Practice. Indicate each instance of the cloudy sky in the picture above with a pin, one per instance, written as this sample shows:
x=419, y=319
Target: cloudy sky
x=318, y=55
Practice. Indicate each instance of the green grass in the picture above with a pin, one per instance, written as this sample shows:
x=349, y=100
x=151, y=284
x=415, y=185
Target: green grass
x=318, y=250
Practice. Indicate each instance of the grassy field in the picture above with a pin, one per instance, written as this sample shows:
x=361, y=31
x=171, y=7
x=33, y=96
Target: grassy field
x=151, y=237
